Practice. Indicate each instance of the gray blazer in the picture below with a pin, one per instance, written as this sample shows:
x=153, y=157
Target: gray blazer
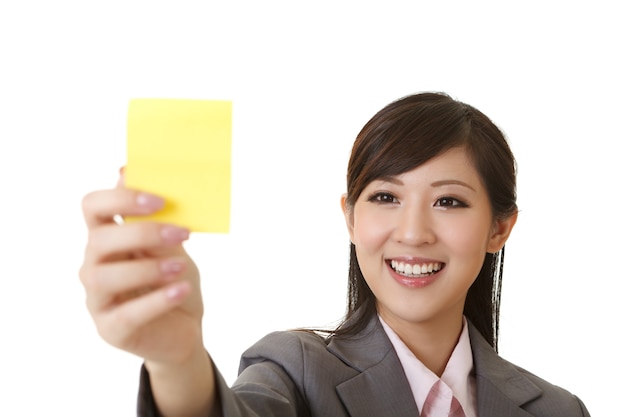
x=288, y=374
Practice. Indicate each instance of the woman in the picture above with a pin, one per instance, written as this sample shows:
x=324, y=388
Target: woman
x=429, y=206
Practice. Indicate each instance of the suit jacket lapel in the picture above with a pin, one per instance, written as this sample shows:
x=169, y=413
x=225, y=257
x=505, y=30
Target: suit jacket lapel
x=501, y=389
x=380, y=388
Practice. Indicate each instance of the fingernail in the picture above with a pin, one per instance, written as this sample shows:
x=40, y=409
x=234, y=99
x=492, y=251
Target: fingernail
x=170, y=267
x=149, y=201
x=173, y=234
x=177, y=291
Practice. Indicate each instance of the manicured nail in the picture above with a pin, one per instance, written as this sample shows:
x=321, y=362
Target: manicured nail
x=177, y=291
x=173, y=234
x=149, y=201
x=171, y=267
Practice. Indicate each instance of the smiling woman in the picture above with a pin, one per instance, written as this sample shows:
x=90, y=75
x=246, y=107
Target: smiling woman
x=430, y=203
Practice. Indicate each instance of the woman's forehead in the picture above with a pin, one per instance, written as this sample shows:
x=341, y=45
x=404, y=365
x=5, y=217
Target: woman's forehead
x=453, y=165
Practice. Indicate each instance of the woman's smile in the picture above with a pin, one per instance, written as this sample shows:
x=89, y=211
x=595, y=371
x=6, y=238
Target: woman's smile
x=415, y=269
x=414, y=273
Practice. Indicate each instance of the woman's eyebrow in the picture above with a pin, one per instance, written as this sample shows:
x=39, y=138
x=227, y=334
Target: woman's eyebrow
x=441, y=183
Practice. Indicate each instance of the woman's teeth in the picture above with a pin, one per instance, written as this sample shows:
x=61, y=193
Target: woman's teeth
x=416, y=269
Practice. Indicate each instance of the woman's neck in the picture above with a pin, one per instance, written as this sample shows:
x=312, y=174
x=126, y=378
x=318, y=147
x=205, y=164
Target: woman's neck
x=432, y=342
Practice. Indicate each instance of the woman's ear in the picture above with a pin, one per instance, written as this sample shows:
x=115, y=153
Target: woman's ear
x=500, y=233
x=349, y=216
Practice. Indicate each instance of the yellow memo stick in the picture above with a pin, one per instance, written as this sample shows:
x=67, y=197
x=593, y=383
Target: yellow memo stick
x=181, y=150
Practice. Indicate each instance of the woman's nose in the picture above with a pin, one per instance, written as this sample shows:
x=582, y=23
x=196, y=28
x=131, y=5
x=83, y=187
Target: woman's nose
x=414, y=226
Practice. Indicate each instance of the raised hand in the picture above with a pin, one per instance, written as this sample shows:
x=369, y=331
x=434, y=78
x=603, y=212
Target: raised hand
x=142, y=288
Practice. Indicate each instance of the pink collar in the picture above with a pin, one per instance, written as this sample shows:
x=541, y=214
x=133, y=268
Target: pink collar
x=457, y=375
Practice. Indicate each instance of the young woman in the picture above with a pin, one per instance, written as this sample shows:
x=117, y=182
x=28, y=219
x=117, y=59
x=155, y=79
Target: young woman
x=430, y=203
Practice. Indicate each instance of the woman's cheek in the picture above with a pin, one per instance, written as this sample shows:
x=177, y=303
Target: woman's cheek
x=371, y=229
x=469, y=238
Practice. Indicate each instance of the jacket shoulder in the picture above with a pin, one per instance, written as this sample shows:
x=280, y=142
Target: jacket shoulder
x=505, y=385
x=291, y=373
x=553, y=399
x=297, y=352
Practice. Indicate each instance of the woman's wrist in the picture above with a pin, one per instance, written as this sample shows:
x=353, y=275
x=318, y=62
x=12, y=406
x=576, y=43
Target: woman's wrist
x=183, y=389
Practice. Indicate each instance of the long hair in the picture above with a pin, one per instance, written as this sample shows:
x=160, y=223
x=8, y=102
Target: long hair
x=402, y=136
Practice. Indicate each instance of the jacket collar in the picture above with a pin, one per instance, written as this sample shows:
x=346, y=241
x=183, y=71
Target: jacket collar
x=501, y=388
x=381, y=387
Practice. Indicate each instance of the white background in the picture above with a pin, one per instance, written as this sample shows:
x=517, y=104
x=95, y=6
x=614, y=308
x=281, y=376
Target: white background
x=304, y=78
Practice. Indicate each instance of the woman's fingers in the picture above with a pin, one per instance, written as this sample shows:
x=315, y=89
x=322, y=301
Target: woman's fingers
x=112, y=241
x=100, y=207
x=111, y=283
x=123, y=324
x=121, y=180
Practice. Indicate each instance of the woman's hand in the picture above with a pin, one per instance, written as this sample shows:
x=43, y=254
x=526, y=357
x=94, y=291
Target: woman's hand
x=142, y=288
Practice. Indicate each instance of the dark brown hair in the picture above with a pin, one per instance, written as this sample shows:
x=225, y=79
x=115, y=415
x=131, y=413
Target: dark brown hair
x=405, y=134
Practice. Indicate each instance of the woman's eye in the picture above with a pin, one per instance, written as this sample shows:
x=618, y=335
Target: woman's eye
x=449, y=202
x=383, y=198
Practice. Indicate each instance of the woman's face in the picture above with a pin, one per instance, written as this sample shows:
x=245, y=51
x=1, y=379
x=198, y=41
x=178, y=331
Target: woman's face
x=421, y=238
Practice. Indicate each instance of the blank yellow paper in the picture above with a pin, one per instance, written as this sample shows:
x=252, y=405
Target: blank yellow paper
x=181, y=151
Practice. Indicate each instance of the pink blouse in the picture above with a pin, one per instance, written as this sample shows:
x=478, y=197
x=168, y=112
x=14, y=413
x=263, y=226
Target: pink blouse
x=457, y=378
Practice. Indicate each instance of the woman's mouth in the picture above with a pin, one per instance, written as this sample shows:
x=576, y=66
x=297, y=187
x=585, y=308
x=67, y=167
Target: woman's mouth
x=415, y=273
x=415, y=270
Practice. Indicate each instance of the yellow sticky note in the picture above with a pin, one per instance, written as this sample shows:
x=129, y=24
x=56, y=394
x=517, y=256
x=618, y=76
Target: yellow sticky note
x=181, y=151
